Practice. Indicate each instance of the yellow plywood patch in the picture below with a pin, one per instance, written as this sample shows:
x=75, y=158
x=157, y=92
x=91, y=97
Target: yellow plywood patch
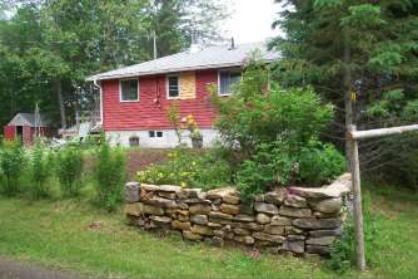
x=188, y=85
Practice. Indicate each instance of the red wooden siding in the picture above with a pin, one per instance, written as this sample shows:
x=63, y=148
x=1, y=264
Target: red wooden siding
x=9, y=132
x=151, y=109
x=28, y=133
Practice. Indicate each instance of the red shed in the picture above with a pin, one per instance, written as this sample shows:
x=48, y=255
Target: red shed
x=26, y=126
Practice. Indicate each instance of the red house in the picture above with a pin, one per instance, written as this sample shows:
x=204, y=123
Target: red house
x=134, y=100
x=26, y=126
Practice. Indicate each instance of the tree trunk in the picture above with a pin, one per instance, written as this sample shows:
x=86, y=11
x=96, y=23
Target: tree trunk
x=349, y=116
x=58, y=90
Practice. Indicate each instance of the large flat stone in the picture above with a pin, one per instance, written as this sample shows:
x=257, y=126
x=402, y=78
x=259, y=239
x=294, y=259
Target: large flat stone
x=191, y=235
x=268, y=237
x=202, y=230
x=219, y=215
x=266, y=208
x=295, y=201
x=170, y=188
x=229, y=209
x=295, y=246
x=134, y=209
x=220, y=193
x=244, y=218
x=178, y=225
x=132, y=192
x=199, y=209
x=295, y=212
x=340, y=187
x=324, y=240
x=161, y=219
x=199, y=219
x=317, y=249
x=319, y=233
x=153, y=210
x=273, y=229
x=149, y=187
x=316, y=224
x=328, y=206
x=162, y=202
x=276, y=197
x=281, y=221
x=263, y=218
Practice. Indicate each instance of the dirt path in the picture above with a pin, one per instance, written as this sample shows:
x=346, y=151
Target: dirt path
x=15, y=270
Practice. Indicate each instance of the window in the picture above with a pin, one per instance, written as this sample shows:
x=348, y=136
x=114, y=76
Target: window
x=153, y=134
x=226, y=80
x=129, y=90
x=173, y=88
x=134, y=141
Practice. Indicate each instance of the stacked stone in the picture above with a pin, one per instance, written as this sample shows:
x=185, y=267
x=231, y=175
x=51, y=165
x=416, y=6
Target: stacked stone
x=297, y=220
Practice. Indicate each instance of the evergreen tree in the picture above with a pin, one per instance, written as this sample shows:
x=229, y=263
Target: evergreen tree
x=361, y=55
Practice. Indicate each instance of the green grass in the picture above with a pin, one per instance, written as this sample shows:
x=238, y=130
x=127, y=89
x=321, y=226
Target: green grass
x=57, y=235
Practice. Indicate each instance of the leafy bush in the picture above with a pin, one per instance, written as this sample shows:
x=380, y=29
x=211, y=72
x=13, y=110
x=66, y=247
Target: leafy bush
x=69, y=167
x=42, y=168
x=259, y=113
x=12, y=164
x=110, y=174
x=188, y=169
x=318, y=163
x=273, y=134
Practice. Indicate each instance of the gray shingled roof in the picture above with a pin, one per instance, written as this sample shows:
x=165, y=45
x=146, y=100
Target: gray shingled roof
x=208, y=58
x=28, y=119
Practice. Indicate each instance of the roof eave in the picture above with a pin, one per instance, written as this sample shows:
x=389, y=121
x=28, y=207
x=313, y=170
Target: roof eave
x=103, y=76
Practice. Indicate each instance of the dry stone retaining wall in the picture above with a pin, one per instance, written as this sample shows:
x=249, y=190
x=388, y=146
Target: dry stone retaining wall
x=294, y=219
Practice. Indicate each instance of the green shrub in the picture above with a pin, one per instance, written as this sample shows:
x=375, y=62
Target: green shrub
x=188, y=169
x=42, y=170
x=69, y=169
x=12, y=165
x=110, y=174
x=270, y=165
x=319, y=163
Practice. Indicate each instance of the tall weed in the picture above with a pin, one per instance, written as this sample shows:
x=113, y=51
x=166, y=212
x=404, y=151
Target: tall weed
x=110, y=174
x=69, y=169
x=12, y=164
x=42, y=170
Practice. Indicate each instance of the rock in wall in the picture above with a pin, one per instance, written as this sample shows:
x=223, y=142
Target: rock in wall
x=293, y=219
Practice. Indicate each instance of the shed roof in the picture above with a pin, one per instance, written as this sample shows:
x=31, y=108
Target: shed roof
x=209, y=58
x=28, y=119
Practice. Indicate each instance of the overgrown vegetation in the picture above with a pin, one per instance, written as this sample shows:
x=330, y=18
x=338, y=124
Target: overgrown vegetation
x=343, y=251
x=41, y=172
x=69, y=166
x=189, y=169
x=110, y=175
x=12, y=163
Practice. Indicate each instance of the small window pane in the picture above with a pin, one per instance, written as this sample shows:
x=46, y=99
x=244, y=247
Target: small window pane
x=129, y=90
x=151, y=134
x=159, y=134
x=227, y=80
x=173, y=86
x=134, y=141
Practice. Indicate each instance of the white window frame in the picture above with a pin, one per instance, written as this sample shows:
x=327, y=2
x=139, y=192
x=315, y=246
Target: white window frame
x=167, y=83
x=238, y=70
x=120, y=91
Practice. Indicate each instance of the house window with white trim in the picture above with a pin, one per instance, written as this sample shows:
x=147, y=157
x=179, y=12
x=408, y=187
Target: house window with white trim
x=129, y=90
x=173, y=87
x=226, y=81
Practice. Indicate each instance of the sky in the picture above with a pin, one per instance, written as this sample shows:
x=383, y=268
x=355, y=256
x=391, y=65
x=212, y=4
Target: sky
x=251, y=20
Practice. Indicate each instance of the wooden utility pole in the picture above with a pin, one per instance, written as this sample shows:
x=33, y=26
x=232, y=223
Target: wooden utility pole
x=353, y=137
